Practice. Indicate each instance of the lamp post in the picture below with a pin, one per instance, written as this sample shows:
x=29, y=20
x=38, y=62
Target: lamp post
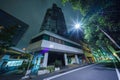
x=108, y=36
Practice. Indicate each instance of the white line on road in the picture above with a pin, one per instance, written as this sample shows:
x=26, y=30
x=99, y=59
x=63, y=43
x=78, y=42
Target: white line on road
x=118, y=73
x=52, y=77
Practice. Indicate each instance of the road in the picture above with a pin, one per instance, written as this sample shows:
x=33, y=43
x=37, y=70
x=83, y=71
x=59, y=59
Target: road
x=91, y=72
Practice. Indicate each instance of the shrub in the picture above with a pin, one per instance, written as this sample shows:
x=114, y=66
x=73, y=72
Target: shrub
x=50, y=68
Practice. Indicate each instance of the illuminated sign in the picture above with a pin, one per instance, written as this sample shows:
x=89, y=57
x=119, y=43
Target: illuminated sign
x=14, y=63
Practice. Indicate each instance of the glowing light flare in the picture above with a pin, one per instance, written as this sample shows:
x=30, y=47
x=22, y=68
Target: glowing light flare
x=77, y=26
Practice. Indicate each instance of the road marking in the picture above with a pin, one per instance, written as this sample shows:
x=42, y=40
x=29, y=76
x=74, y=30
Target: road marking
x=118, y=73
x=55, y=76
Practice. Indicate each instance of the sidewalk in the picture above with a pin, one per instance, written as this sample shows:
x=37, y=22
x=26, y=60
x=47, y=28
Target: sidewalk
x=65, y=69
x=13, y=76
x=10, y=76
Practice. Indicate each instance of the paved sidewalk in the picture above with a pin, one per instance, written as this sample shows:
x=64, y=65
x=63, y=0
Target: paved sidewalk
x=68, y=68
x=11, y=75
x=40, y=77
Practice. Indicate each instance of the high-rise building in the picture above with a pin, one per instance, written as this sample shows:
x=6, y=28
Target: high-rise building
x=54, y=21
x=8, y=21
x=50, y=46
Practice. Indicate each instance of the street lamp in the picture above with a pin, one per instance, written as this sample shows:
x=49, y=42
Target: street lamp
x=77, y=26
x=24, y=49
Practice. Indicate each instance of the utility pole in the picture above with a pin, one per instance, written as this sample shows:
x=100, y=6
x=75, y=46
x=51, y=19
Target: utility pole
x=112, y=40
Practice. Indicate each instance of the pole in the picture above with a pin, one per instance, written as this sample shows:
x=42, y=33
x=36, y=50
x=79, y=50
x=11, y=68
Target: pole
x=110, y=38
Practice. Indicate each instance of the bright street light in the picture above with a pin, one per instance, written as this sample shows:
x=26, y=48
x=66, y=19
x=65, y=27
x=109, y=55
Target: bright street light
x=77, y=26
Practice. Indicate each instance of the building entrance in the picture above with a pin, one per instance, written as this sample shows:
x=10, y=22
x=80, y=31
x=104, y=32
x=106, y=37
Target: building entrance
x=56, y=59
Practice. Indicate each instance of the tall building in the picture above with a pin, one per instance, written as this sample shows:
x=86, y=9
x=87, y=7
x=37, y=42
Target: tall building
x=50, y=46
x=8, y=21
x=54, y=21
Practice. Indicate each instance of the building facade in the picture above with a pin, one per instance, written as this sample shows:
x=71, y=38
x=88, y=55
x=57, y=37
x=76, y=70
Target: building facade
x=8, y=21
x=50, y=47
x=89, y=58
x=54, y=21
x=13, y=59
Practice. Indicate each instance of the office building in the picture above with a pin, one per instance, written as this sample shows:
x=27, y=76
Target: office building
x=50, y=46
x=12, y=25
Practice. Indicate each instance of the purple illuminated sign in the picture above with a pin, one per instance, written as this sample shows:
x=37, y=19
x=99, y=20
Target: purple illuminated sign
x=44, y=50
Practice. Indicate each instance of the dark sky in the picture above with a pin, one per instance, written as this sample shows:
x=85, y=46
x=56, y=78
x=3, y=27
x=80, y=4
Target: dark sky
x=32, y=12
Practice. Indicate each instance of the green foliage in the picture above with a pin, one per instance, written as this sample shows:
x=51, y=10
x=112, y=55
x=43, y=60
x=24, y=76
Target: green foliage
x=24, y=66
x=64, y=1
x=26, y=56
x=82, y=5
x=51, y=68
x=97, y=15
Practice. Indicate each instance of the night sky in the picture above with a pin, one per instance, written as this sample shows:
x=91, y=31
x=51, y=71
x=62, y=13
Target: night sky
x=32, y=13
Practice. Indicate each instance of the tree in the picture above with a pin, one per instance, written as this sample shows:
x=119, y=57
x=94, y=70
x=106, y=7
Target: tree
x=102, y=13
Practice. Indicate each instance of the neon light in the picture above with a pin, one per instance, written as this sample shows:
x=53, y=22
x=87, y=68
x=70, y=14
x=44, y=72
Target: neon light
x=14, y=63
x=44, y=50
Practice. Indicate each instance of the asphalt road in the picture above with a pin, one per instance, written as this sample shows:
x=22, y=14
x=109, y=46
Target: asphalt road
x=92, y=72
